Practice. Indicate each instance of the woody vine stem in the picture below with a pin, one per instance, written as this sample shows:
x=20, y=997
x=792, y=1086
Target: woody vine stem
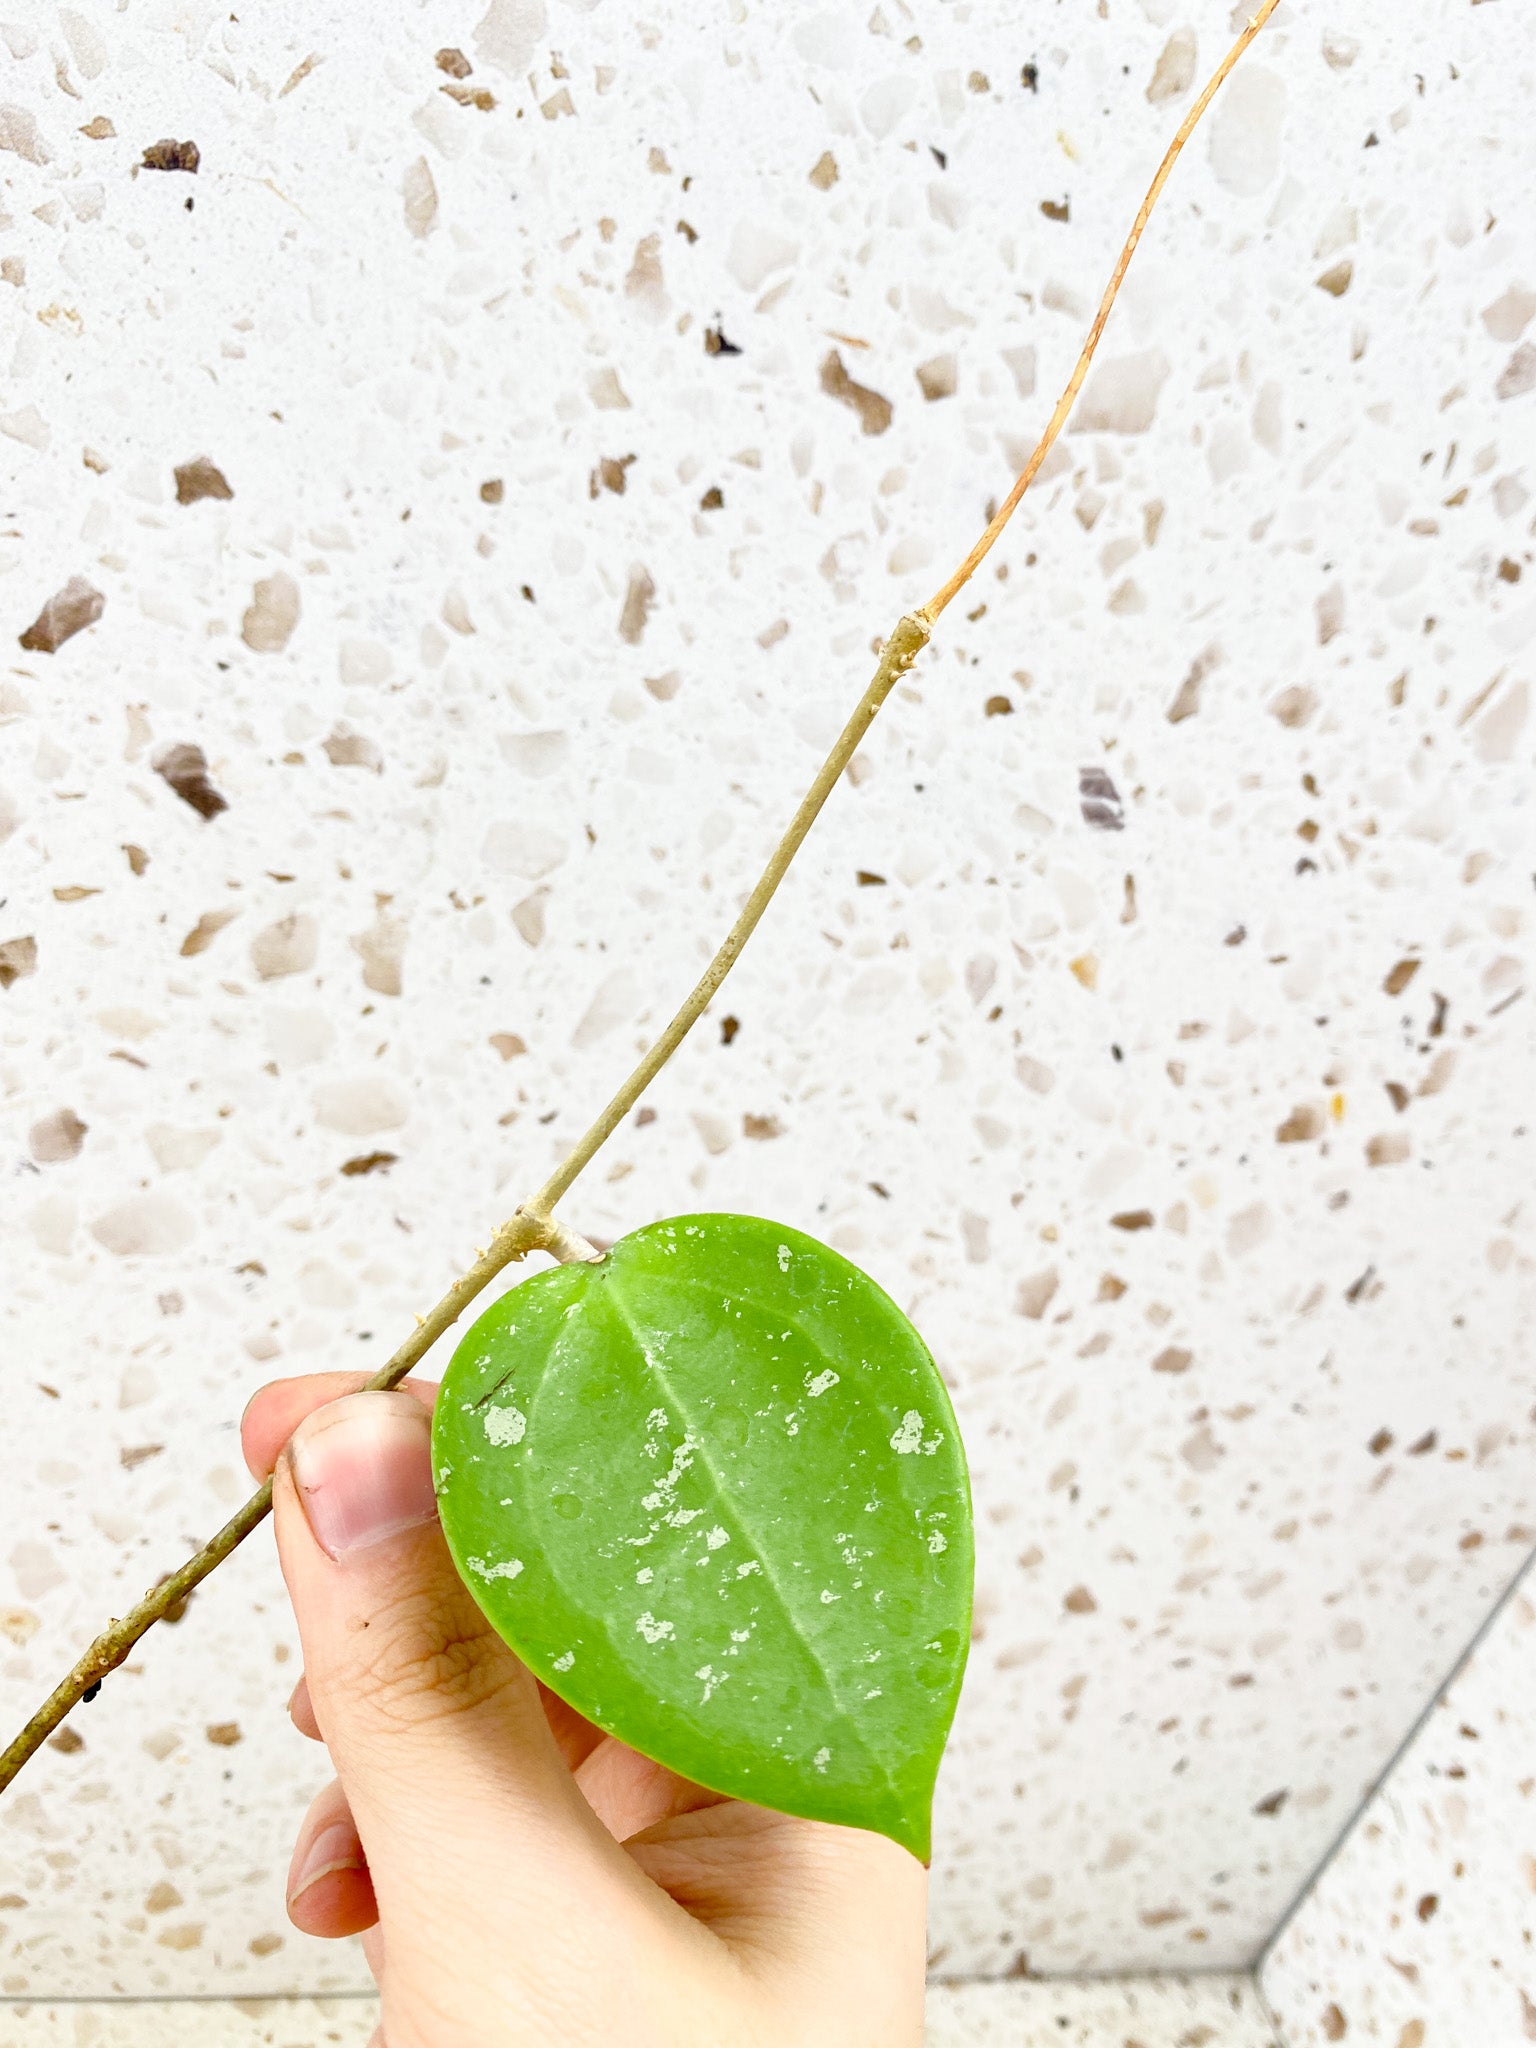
x=534, y=1227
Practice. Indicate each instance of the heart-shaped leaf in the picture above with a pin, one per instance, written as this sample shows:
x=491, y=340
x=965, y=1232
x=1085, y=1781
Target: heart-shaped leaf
x=712, y=1492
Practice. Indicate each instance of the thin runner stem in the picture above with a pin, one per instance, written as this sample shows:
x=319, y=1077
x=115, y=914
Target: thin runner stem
x=898, y=655
x=533, y=1226
x=1074, y=384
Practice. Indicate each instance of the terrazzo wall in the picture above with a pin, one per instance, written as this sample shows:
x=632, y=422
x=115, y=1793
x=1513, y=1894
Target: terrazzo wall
x=486, y=473
x=1421, y=1933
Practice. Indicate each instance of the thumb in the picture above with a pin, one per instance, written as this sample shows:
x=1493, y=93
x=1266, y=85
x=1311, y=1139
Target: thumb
x=435, y=1728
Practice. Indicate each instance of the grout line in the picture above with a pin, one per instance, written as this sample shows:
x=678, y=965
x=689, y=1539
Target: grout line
x=1209, y=1974
x=1267, y=2010
x=934, y=1983
x=1205, y=1973
x=150, y=1998
x=1335, y=1848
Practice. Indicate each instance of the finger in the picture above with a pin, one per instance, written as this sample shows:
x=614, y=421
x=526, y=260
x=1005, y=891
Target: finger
x=275, y=1411
x=271, y=1416
x=330, y=1892
x=437, y=1731
x=831, y=1916
x=575, y=1736
x=301, y=1713
x=628, y=1792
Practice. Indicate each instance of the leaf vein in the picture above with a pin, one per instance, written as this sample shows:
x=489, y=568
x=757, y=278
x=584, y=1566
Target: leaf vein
x=733, y=1508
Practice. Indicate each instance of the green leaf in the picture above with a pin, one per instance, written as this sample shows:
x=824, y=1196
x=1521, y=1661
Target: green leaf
x=713, y=1493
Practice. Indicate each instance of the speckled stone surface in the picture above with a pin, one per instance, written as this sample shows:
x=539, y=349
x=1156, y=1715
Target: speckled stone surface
x=1421, y=1933
x=1203, y=2012
x=193, y=2023
x=1195, y=1143
x=1192, y=2012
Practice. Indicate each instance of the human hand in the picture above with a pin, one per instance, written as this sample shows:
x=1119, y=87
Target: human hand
x=520, y=1879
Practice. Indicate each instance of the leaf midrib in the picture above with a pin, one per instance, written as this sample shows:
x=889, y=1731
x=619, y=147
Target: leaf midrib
x=733, y=1509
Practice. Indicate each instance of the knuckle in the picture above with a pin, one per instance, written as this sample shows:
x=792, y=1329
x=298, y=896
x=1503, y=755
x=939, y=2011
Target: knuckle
x=425, y=1659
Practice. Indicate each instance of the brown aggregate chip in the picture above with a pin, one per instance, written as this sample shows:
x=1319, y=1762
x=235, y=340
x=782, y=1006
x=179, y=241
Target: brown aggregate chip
x=172, y=156
x=68, y=612
x=368, y=1162
x=185, y=769
x=18, y=958
x=874, y=411
x=200, y=478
